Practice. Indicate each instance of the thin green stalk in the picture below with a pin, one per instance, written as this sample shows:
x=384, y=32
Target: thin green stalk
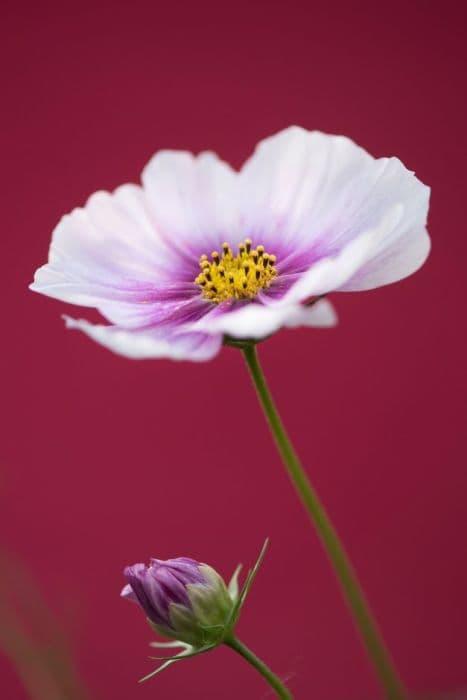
x=338, y=557
x=268, y=675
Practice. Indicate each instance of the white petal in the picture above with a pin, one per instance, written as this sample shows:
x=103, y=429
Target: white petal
x=149, y=343
x=404, y=248
x=193, y=200
x=108, y=250
x=333, y=273
x=153, y=313
x=320, y=315
x=310, y=191
x=60, y=284
x=295, y=180
x=391, y=263
x=258, y=321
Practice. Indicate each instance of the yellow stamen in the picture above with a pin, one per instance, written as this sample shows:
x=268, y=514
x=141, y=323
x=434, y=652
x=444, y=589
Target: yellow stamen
x=236, y=277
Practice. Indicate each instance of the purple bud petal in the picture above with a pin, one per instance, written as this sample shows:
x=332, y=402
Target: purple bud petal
x=146, y=592
x=127, y=592
x=186, y=570
x=156, y=587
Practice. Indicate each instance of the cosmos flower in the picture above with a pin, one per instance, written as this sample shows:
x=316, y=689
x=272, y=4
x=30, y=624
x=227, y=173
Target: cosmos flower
x=201, y=253
x=182, y=598
x=188, y=602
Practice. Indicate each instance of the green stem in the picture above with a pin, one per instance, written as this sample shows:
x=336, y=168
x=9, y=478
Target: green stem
x=340, y=561
x=268, y=675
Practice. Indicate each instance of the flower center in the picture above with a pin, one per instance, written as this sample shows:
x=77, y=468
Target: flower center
x=240, y=276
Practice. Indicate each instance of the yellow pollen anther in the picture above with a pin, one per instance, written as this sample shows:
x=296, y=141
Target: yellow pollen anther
x=240, y=276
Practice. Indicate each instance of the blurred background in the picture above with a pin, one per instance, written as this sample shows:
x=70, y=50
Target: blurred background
x=104, y=461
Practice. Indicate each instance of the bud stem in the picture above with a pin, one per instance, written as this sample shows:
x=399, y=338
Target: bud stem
x=343, y=569
x=268, y=675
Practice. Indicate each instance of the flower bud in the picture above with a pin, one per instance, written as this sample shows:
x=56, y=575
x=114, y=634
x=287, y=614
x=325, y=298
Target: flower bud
x=183, y=599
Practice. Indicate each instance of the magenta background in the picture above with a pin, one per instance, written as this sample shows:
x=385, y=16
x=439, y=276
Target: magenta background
x=107, y=461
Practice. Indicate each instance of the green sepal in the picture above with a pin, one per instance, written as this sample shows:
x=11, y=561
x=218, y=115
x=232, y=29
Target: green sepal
x=240, y=342
x=187, y=653
x=246, y=587
x=176, y=644
x=233, y=586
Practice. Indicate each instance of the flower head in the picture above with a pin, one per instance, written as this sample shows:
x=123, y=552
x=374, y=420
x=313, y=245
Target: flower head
x=188, y=602
x=200, y=253
x=182, y=598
